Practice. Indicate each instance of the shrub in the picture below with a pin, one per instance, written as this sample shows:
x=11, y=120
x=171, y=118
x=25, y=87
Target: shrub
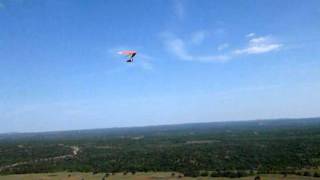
x=306, y=173
x=214, y=174
x=316, y=174
x=191, y=173
x=204, y=173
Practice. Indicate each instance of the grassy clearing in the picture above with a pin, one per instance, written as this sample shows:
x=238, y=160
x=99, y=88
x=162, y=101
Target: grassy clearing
x=137, y=176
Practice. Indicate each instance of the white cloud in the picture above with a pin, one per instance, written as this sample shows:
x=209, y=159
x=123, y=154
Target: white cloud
x=182, y=48
x=259, y=40
x=258, y=49
x=250, y=35
x=259, y=45
x=223, y=46
x=198, y=37
x=178, y=48
x=211, y=58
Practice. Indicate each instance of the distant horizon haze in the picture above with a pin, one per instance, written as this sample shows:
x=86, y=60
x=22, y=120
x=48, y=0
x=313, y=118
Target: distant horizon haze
x=303, y=119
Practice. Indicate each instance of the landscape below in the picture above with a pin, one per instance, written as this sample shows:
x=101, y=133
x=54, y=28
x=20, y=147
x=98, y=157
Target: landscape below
x=279, y=148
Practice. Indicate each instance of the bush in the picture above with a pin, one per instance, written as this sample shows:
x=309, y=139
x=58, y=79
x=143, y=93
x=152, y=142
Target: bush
x=191, y=173
x=214, y=174
x=243, y=173
x=230, y=174
x=204, y=174
x=306, y=173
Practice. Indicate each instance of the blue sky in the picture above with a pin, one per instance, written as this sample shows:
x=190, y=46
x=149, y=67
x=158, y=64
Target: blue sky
x=198, y=61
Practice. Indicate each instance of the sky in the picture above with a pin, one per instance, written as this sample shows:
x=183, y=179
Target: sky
x=197, y=61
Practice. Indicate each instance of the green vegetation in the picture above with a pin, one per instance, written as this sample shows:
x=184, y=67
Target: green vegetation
x=234, y=149
x=139, y=176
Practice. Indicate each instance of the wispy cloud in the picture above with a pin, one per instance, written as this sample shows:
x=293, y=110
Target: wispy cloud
x=198, y=37
x=212, y=58
x=223, y=46
x=259, y=45
x=178, y=47
x=250, y=35
x=182, y=48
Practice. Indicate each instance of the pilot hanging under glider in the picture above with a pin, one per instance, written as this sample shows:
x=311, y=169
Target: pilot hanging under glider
x=130, y=54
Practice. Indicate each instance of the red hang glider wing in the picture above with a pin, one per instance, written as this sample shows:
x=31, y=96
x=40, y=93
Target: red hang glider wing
x=127, y=52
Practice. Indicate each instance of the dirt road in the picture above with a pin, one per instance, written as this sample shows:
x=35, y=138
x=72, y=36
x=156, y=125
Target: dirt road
x=74, y=152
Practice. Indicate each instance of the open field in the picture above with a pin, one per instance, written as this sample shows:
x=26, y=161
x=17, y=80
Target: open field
x=137, y=176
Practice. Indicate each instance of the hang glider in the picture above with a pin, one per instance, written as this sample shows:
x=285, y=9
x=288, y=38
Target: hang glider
x=129, y=54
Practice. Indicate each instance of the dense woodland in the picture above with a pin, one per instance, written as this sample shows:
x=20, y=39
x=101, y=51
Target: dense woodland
x=231, y=149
